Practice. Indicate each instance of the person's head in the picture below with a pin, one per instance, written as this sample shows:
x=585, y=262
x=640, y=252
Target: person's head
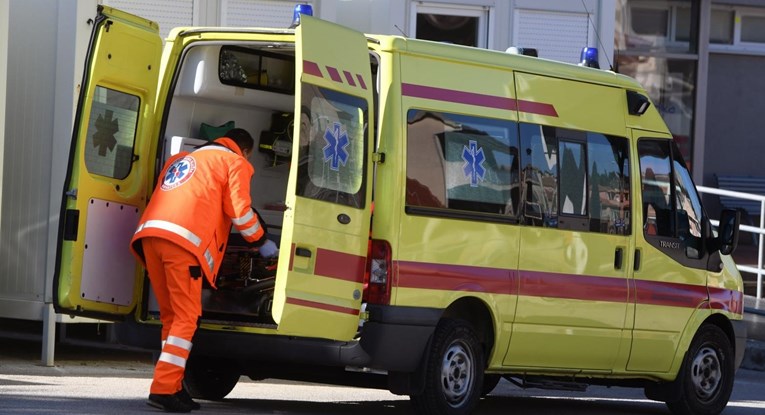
x=243, y=139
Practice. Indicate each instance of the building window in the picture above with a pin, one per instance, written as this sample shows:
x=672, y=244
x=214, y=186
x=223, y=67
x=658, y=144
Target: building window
x=753, y=29
x=466, y=25
x=721, y=27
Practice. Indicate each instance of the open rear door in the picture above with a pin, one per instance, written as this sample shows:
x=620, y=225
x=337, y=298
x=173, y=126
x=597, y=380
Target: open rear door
x=106, y=183
x=326, y=225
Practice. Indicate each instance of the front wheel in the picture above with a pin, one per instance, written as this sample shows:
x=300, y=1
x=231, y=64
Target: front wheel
x=705, y=380
x=453, y=372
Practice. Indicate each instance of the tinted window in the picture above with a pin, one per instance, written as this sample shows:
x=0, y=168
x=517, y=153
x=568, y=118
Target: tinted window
x=332, y=146
x=461, y=163
x=573, y=179
x=671, y=205
x=539, y=175
x=609, y=169
x=111, y=133
x=655, y=173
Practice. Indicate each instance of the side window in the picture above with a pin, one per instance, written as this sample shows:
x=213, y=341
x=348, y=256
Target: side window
x=461, y=163
x=609, y=169
x=655, y=174
x=111, y=133
x=539, y=175
x=671, y=206
x=332, y=160
x=689, y=211
x=573, y=178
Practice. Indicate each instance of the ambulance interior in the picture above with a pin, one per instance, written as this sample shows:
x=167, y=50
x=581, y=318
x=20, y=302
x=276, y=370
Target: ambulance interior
x=223, y=86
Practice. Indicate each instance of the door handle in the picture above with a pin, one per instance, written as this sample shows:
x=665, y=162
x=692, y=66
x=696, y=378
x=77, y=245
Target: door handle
x=618, y=258
x=636, y=267
x=303, y=252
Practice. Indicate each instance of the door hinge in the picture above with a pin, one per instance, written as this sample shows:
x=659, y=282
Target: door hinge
x=378, y=158
x=72, y=193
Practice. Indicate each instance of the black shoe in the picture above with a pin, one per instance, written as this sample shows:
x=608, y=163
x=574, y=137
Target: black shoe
x=168, y=403
x=184, y=396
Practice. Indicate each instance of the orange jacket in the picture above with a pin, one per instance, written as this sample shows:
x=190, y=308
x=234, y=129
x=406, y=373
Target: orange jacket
x=197, y=198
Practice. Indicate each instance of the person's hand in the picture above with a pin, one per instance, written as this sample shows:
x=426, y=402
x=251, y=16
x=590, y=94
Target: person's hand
x=269, y=249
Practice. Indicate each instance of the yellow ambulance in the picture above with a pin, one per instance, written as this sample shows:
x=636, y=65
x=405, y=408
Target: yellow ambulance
x=447, y=217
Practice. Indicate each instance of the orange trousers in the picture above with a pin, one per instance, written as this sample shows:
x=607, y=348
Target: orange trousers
x=180, y=305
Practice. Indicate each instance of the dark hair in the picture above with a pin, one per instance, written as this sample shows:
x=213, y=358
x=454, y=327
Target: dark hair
x=242, y=138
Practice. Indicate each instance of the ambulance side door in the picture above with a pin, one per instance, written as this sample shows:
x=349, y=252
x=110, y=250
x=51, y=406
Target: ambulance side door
x=108, y=170
x=326, y=225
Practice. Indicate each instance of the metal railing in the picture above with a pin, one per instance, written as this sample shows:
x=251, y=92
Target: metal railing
x=746, y=228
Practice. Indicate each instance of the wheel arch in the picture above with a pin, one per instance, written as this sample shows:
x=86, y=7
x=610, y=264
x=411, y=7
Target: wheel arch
x=476, y=312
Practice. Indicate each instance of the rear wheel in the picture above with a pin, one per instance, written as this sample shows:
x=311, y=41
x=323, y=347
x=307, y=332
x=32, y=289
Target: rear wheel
x=453, y=372
x=209, y=379
x=705, y=380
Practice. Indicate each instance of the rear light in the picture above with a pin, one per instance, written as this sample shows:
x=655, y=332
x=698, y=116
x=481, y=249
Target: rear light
x=378, y=272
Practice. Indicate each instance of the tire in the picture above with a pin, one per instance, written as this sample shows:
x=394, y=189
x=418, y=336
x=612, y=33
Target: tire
x=705, y=380
x=453, y=371
x=208, y=379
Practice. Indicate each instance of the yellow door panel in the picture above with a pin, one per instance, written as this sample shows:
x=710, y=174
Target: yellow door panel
x=108, y=167
x=326, y=225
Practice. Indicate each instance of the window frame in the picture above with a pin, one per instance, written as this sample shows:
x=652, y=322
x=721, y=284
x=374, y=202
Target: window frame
x=484, y=14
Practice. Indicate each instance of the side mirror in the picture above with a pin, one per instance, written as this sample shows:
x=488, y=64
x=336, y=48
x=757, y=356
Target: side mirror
x=727, y=232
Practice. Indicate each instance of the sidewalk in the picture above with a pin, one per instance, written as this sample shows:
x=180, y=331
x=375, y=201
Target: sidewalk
x=754, y=315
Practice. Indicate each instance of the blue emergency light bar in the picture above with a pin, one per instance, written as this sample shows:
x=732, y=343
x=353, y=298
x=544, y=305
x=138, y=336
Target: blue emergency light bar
x=305, y=9
x=589, y=58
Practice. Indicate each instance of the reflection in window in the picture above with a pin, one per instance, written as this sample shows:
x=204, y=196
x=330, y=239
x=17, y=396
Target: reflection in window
x=332, y=147
x=655, y=173
x=539, y=175
x=461, y=163
x=609, y=167
x=111, y=133
x=573, y=179
x=671, y=206
x=688, y=204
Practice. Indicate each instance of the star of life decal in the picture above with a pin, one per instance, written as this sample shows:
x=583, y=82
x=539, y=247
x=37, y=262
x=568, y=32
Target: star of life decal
x=179, y=173
x=336, y=150
x=473, y=167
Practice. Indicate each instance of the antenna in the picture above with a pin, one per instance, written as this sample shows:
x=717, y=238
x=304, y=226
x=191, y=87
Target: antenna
x=597, y=35
x=399, y=29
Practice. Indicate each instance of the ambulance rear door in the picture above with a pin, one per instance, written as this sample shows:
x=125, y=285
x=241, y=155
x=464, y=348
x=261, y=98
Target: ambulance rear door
x=107, y=175
x=326, y=225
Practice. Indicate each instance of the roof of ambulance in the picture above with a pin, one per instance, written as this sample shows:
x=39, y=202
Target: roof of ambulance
x=479, y=56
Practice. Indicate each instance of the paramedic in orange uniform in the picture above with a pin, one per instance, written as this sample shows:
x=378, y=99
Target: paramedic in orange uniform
x=181, y=238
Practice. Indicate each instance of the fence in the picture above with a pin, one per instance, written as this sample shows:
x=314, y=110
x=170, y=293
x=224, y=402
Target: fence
x=746, y=228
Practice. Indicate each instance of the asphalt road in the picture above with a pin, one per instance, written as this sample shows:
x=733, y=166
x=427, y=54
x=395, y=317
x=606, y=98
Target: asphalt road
x=96, y=381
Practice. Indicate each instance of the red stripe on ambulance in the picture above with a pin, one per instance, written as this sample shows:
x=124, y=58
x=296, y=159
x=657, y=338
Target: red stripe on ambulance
x=573, y=287
x=313, y=68
x=480, y=100
x=322, y=306
x=339, y=265
x=456, y=278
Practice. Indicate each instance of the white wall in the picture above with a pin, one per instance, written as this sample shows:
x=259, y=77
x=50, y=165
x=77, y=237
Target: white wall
x=4, y=17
